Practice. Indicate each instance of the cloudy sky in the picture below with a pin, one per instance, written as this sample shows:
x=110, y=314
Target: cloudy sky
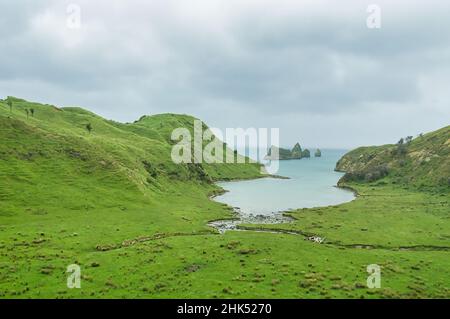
x=312, y=68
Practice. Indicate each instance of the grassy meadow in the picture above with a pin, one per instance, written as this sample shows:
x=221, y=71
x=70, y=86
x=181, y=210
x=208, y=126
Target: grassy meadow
x=112, y=201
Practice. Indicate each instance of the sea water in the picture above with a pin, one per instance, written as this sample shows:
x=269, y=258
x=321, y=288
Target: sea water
x=312, y=183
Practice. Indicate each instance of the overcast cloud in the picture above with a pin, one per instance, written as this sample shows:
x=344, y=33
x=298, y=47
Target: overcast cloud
x=311, y=68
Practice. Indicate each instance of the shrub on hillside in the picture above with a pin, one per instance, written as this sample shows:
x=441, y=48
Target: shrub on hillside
x=150, y=168
x=368, y=175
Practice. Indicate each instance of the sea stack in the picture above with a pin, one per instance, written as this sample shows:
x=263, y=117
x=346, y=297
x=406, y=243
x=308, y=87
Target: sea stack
x=318, y=153
x=296, y=151
x=306, y=153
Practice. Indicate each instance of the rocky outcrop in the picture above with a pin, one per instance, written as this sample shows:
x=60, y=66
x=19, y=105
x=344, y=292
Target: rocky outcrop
x=296, y=151
x=286, y=154
x=318, y=153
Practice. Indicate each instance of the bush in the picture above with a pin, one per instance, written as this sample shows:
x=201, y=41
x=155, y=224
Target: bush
x=150, y=168
x=368, y=175
x=197, y=170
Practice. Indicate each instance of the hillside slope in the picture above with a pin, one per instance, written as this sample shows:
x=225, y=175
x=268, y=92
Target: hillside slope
x=422, y=162
x=115, y=183
x=128, y=150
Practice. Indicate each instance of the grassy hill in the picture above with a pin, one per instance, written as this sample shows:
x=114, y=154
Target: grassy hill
x=423, y=162
x=122, y=148
x=63, y=187
x=50, y=164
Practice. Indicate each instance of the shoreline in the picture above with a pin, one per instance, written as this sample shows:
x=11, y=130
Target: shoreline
x=251, y=178
x=233, y=223
x=349, y=188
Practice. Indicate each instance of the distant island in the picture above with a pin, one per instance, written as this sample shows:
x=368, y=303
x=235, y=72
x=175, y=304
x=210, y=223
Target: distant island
x=286, y=154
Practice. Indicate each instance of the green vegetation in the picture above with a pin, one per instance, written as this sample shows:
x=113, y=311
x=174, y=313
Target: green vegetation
x=9, y=102
x=113, y=202
x=89, y=128
x=422, y=163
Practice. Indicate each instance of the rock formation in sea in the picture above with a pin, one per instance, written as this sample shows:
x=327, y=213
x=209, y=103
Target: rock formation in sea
x=318, y=153
x=286, y=154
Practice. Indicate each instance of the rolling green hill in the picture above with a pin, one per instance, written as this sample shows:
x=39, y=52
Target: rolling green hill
x=63, y=187
x=128, y=151
x=423, y=162
x=113, y=202
x=50, y=163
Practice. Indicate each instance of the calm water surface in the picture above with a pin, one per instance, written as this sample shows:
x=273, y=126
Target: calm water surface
x=312, y=183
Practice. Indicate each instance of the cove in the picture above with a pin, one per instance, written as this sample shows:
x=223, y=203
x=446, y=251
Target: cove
x=312, y=183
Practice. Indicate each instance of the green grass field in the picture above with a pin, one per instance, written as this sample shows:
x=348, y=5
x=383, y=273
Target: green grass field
x=114, y=203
